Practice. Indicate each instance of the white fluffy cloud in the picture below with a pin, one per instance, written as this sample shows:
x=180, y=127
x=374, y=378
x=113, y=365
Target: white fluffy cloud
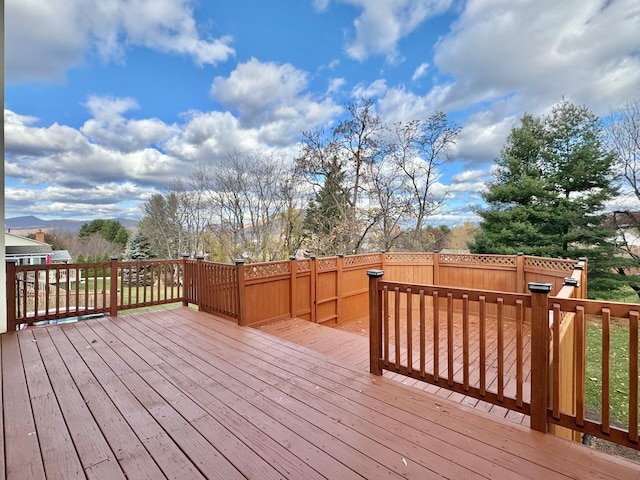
x=113, y=158
x=272, y=97
x=542, y=50
x=46, y=37
x=382, y=24
x=111, y=129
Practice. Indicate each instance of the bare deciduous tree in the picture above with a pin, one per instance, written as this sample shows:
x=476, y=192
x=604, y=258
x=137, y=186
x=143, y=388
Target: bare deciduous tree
x=253, y=198
x=421, y=150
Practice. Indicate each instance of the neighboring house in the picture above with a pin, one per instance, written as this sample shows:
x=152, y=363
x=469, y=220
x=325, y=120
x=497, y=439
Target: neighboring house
x=25, y=251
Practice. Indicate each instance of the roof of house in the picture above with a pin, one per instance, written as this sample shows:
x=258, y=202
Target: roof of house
x=17, y=245
x=60, y=256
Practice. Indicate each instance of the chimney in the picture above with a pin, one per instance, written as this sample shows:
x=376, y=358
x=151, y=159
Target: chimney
x=40, y=236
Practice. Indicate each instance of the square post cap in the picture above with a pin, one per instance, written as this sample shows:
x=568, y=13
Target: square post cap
x=375, y=273
x=535, y=287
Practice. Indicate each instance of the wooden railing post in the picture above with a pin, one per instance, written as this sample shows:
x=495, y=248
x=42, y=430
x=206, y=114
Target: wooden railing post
x=185, y=283
x=11, y=297
x=539, y=354
x=240, y=305
x=314, y=278
x=375, y=322
x=583, y=279
x=339, y=287
x=520, y=285
x=293, y=271
x=436, y=267
x=199, y=296
x=113, y=286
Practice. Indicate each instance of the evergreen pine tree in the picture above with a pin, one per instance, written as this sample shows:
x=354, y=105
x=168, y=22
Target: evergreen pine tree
x=327, y=217
x=138, y=249
x=549, y=191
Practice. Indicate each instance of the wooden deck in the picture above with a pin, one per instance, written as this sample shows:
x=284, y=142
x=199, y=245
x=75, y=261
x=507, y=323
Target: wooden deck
x=181, y=394
x=349, y=343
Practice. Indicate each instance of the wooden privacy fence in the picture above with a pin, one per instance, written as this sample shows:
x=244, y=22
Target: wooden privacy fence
x=322, y=290
x=523, y=351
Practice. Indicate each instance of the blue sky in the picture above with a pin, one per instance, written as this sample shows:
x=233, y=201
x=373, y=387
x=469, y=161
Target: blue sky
x=107, y=102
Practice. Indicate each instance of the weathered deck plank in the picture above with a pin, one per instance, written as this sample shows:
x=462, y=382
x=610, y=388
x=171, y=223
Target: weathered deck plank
x=58, y=453
x=181, y=394
x=22, y=452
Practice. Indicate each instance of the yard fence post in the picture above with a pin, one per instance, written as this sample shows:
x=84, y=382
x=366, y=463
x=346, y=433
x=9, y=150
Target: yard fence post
x=539, y=354
x=11, y=297
x=185, y=282
x=240, y=302
x=375, y=322
x=436, y=267
x=520, y=279
x=113, y=287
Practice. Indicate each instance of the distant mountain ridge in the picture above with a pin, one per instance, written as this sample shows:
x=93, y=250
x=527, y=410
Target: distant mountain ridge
x=32, y=223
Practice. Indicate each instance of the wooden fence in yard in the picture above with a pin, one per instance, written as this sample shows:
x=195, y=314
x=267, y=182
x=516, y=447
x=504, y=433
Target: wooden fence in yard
x=322, y=290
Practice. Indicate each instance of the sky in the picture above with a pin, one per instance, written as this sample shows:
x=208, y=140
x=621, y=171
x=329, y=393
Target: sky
x=108, y=102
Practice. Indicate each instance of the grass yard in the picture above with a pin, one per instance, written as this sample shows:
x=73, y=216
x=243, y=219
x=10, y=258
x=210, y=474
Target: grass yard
x=619, y=370
x=128, y=295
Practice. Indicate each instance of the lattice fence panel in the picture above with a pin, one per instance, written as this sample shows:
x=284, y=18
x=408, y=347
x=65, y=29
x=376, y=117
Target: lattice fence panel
x=260, y=270
x=477, y=259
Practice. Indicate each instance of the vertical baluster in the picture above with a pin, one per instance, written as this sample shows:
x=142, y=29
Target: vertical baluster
x=450, y=339
x=465, y=342
x=580, y=362
x=555, y=392
x=633, y=376
x=519, y=352
x=606, y=347
x=482, y=331
x=500, y=356
x=409, y=330
x=396, y=324
x=422, y=334
x=436, y=337
x=385, y=315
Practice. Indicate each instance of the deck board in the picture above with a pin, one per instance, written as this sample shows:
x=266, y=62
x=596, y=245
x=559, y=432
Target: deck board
x=354, y=333
x=181, y=394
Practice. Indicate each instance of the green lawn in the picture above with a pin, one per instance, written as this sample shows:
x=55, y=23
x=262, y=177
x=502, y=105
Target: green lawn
x=619, y=370
x=100, y=284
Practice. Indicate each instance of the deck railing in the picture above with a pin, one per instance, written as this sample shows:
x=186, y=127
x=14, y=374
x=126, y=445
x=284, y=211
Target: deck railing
x=568, y=408
x=320, y=290
x=522, y=351
x=430, y=333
